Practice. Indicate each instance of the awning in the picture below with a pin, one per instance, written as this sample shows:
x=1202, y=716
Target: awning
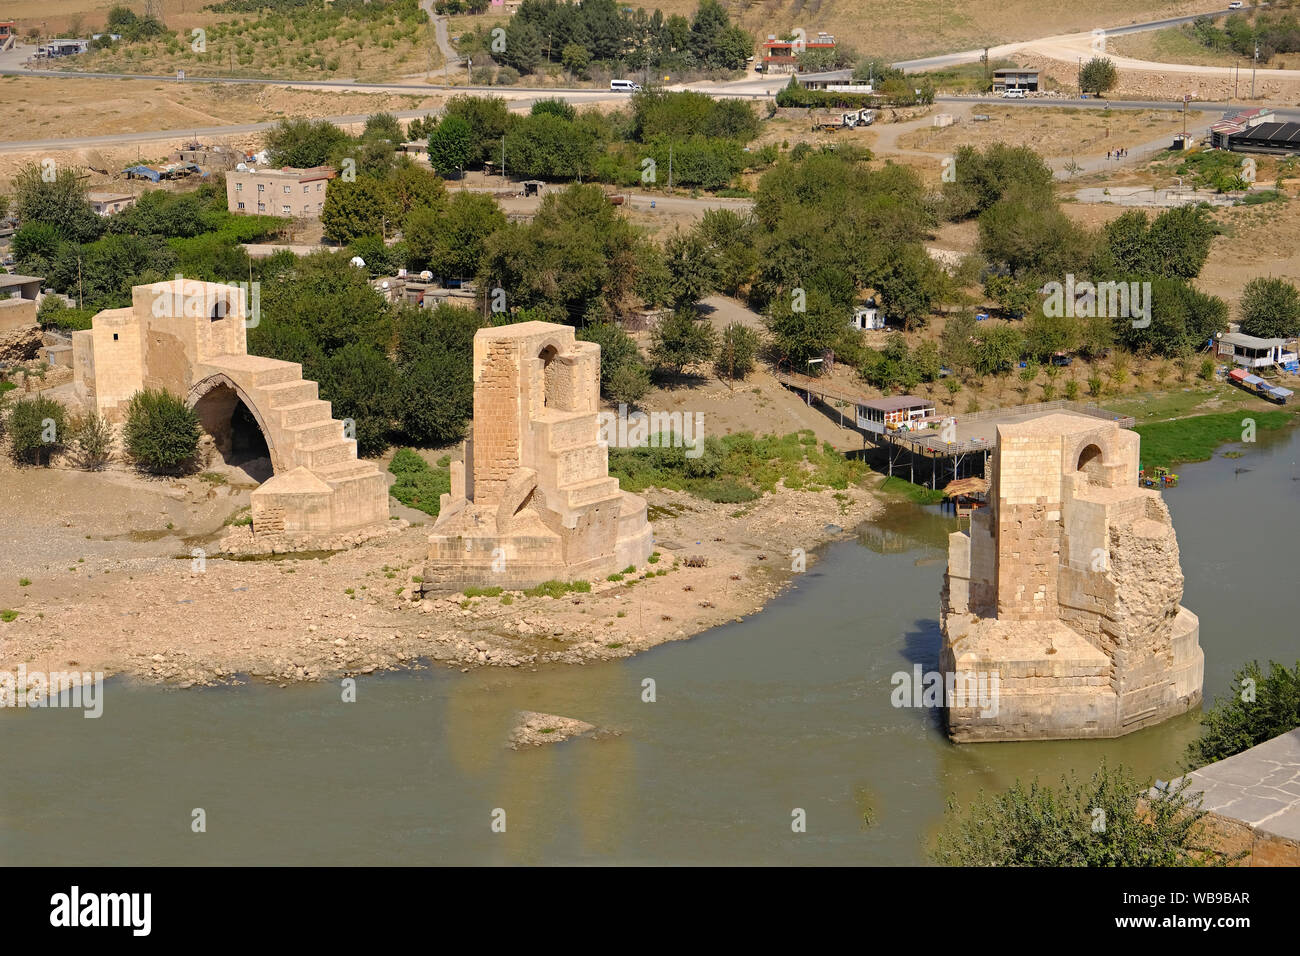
x=966, y=486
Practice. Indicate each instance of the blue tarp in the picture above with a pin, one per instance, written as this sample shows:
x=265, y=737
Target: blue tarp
x=145, y=171
x=1277, y=391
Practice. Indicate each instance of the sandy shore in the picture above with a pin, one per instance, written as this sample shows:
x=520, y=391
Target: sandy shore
x=112, y=586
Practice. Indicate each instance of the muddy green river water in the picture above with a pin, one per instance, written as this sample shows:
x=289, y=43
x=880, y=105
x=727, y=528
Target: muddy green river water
x=788, y=709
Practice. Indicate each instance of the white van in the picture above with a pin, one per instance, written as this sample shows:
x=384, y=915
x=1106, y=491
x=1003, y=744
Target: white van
x=1014, y=93
x=624, y=86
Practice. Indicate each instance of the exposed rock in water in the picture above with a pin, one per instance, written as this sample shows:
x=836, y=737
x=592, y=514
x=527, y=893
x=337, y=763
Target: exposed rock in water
x=534, y=729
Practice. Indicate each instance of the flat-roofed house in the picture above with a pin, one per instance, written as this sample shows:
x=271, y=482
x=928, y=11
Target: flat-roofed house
x=286, y=192
x=109, y=204
x=1249, y=351
x=896, y=413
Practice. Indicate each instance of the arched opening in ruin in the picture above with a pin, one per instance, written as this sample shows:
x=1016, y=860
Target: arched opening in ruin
x=237, y=433
x=220, y=309
x=1090, y=464
x=547, y=356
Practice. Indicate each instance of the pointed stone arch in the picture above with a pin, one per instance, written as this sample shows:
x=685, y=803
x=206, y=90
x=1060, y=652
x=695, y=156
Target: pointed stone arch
x=216, y=397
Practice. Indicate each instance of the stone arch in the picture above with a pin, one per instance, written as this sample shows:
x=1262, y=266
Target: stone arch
x=547, y=355
x=1090, y=463
x=216, y=399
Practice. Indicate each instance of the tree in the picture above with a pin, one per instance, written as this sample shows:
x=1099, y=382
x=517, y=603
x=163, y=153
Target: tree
x=680, y=340
x=383, y=126
x=451, y=145
x=358, y=381
x=1098, y=75
x=1039, y=825
x=93, y=439
x=1270, y=308
x=981, y=179
x=737, y=351
x=799, y=335
x=997, y=349
x=617, y=350
x=1045, y=335
x=957, y=344
x=451, y=240
x=54, y=195
x=909, y=284
x=690, y=269
x=304, y=143
x=36, y=429
x=1258, y=707
x=435, y=398
x=162, y=432
x=577, y=260
x=523, y=46
x=576, y=59
x=355, y=209
x=488, y=118
x=629, y=383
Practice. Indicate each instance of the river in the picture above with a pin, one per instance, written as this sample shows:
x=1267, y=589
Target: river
x=787, y=709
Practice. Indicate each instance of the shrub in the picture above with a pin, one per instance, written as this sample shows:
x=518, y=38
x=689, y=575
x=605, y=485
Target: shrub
x=1259, y=707
x=162, y=432
x=93, y=438
x=736, y=351
x=418, y=486
x=1038, y=825
x=36, y=428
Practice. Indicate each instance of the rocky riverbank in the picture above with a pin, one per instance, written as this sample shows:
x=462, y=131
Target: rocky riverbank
x=137, y=603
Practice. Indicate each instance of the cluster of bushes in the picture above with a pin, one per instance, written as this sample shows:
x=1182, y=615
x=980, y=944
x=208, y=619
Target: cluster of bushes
x=1271, y=33
x=607, y=35
x=897, y=366
x=418, y=485
x=899, y=92
x=161, y=434
x=701, y=139
x=96, y=260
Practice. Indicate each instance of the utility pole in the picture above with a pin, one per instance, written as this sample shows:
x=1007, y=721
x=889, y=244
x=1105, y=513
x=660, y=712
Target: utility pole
x=670, y=167
x=503, y=157
x=1237, y=81
x=1254, y=63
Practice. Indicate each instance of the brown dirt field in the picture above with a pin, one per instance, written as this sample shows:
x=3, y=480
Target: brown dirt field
x=1051, y=133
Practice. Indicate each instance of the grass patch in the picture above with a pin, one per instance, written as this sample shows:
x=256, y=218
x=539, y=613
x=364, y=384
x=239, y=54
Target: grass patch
x=472, y=592
x=7, y=615
x=615, y=577
x=734, y=469
x=507, y=599
x=1195, y=438
x=918, y=494
x=558, y=589
x=418, y=486
x=213, y=478
x=240, y=518
x=24, y=582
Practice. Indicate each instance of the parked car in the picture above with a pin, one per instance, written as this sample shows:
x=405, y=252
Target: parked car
x=1235, y=5
x=624, y=86
x=1013, y=93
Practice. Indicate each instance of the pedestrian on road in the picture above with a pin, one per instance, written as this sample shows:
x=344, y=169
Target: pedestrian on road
x=1108, y=154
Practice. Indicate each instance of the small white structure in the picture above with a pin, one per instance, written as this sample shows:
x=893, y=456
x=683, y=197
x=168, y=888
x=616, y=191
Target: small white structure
x=868, y=318
x=107, y=204
x=1249, y=351
x=897, y=413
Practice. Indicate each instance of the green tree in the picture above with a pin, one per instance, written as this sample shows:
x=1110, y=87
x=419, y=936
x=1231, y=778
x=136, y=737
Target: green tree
x=488, y=118
x=997, y=349
x=358, y=381
x=800, y=335
x=681, y=340
x=161, y=433
x=909, y=284
x=56, y=196
x=1258, y=707
x=1045, y=335
x=1270, y=308
x=576, y=59
x=1112, y=819
x=617, y=349
x=36, y=428
x=304, y=143
x=690, y=269
x=451, y=241
x=957, y=343
x=355, y=209
x=451, y=145
x=1098, y=75
x=737, y=351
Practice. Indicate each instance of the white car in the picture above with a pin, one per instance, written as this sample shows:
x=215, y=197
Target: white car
x=1235, y=5
x=624, y=86
x=1013, y=94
